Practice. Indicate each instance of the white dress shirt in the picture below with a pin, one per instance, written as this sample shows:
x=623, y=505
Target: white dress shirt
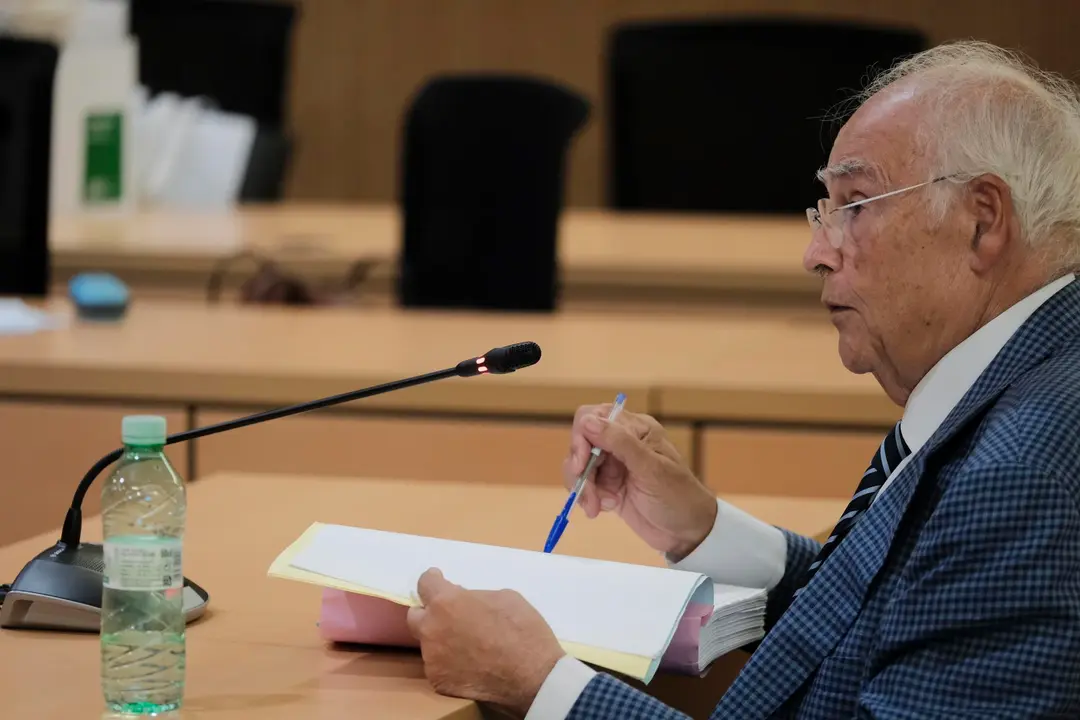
x=742, y=550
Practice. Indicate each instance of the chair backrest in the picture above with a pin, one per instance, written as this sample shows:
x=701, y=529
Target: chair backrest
x=482, y=180
x=729, y=115
x=27, y=74
x=234, y=52
x=264, y=177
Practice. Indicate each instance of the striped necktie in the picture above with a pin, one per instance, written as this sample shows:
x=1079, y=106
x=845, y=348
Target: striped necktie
x=893, y=449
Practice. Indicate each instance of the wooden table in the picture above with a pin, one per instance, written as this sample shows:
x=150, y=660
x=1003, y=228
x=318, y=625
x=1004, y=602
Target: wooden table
x=256, y=653
x=757, y=369
x=607, y=260
x=777, y=395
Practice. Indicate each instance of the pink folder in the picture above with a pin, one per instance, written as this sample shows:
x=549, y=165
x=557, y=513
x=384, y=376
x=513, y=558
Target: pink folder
x=353, y=618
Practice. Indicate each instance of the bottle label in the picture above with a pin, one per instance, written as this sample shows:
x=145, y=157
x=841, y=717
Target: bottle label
x=143, y=563
x=103, y=172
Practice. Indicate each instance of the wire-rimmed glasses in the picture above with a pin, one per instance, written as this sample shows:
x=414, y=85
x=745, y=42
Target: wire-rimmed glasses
x=824, y=216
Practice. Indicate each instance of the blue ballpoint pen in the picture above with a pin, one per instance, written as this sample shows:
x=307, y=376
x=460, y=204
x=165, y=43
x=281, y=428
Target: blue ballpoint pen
x=594, y=457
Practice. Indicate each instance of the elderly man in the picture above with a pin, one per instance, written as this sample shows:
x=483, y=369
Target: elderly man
x=951, y=585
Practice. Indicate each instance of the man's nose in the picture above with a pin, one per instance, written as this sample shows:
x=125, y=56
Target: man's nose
x=820, y=254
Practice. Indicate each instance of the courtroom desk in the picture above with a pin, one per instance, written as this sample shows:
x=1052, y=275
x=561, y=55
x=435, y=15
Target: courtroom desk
x=768, y=369
x=46, y=449
x=171, y=252
x=80, y=380
x=774, y=375
x=634, y=261
x=230, y=355
x=257, y=654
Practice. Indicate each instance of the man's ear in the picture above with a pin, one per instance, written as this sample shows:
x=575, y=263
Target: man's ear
x=990, y=202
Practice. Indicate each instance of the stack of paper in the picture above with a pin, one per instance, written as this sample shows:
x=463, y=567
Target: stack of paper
x=735, y=619
x=614, y=615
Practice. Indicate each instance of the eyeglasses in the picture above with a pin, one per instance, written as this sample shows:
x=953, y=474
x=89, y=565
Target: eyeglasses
x=823, y=216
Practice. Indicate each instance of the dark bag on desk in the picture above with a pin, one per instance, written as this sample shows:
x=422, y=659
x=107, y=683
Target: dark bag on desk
x=270, y=285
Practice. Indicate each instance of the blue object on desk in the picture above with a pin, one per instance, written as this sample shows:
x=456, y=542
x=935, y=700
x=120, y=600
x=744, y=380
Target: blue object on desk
x=99, y=296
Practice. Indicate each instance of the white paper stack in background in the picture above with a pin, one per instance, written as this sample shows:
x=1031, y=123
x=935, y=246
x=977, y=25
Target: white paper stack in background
x=18, y=318
x=191, y=155
x=618, y=616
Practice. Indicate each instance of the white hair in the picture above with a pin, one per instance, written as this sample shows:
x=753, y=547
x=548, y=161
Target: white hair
x=991, y=111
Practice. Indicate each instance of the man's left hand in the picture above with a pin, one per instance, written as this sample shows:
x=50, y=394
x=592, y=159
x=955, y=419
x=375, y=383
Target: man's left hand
x=489, y=646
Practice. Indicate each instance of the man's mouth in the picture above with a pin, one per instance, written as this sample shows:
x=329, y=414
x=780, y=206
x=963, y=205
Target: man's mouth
x=835, y=308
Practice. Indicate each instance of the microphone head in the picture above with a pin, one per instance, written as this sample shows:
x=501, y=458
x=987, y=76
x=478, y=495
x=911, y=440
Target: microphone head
x=501, y=360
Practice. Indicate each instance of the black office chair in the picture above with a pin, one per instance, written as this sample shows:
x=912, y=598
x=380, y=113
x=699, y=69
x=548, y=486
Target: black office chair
x=729, y=115
x=481, y=187
x=27, y=73
x=235, y=53
x=264, y=176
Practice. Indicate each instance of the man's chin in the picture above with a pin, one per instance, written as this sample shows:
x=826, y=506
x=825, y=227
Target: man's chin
x=853, y=357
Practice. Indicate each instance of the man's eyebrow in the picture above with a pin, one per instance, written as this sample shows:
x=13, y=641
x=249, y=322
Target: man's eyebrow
x=846, y=168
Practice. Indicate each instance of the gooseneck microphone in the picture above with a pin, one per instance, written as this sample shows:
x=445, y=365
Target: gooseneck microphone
x=500, y=360
x=497, y=361
x=58, y=576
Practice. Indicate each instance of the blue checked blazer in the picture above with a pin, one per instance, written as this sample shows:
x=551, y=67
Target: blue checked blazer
x=957, y=595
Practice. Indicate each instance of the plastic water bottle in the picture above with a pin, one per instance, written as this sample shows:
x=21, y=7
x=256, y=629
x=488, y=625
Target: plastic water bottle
x=143, y=509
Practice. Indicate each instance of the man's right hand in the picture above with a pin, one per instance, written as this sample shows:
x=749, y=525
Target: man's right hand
x=642, y=477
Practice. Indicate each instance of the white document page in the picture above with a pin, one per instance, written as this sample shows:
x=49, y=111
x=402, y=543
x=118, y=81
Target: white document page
x=18, y=318
x=726, y=596
x=614, y=606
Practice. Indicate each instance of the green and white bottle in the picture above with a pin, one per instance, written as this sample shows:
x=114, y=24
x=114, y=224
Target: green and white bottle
x=143, y=508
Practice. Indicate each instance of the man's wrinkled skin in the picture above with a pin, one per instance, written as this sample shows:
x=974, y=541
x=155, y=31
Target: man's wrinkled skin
x=490, y=646
x=903, y=289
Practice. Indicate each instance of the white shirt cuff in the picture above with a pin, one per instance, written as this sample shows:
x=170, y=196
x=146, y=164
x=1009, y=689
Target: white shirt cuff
x=739, y=550
x=561, y=689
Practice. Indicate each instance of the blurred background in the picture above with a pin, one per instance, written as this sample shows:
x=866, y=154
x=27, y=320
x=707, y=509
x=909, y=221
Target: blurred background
x=707, y=107
x=338, y=74
x=356, y=62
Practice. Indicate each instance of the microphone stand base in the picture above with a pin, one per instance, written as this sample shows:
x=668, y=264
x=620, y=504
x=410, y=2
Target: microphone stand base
x=60, y=589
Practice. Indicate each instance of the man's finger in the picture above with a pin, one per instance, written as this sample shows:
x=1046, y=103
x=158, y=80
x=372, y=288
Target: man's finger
x=609, y=487
x=618, y=440
x=414, y=619
x=589, y=501
x=579, y=446
x=578, y=456
x=430, y=584
x=571, y=470
x=586, y=410
x=610, y=500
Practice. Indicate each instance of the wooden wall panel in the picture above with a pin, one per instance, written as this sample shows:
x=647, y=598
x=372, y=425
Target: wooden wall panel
x=787, y=463
x=485, y=451
x=48, y=447
x=409, y=448
x=357, y=62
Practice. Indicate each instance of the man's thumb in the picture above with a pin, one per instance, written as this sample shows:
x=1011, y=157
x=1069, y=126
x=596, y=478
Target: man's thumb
x=430, y=584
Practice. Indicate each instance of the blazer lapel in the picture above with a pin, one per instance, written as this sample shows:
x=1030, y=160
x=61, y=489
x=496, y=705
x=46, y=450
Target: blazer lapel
x=818, y=618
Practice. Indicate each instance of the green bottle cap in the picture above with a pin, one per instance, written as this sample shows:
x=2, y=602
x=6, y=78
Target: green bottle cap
x=143, y=430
